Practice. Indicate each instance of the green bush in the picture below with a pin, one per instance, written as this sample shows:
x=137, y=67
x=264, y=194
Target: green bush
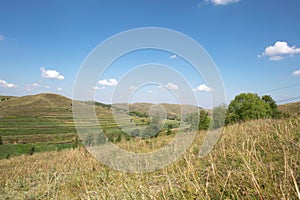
x=248, y=106
x=204, y=120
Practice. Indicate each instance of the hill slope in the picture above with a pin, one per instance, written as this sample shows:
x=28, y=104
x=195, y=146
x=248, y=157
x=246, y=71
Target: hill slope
x=292, y=108
x=254, y=160
x=33, y=105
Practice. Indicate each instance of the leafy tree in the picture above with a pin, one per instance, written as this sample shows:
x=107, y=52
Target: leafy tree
x=272, y=109
x=101, y=139
x=31, y=151
x=119, y=138
x=218, y=116
x=193, y=120
x=246, y=106
x=169, y=131
x=204, y=120
x=89, y=140
x=135, y=133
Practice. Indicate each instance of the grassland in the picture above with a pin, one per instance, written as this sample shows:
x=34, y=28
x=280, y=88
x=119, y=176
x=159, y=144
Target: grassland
x=44, y=122
x=254, y=160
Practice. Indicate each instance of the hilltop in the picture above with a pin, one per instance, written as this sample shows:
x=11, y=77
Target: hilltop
x=33, y=105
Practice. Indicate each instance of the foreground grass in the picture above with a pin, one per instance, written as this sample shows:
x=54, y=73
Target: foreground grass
x=254, y=160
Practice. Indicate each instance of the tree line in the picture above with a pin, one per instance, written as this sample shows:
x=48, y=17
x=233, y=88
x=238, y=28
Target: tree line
x=244, y=107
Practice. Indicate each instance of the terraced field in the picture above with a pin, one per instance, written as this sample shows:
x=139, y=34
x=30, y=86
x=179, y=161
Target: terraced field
x=44, y=122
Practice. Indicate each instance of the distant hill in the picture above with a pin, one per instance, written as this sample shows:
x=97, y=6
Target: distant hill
x=172, y=110
x=33, y=105
x=292, y=108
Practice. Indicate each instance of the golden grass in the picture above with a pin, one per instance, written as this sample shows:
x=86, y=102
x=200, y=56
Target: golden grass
x=254, y=160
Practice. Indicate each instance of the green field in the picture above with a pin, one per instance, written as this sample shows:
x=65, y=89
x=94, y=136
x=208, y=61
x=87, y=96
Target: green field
x=45, y=122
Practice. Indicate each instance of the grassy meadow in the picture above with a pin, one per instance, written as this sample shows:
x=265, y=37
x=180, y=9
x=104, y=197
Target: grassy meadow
x=41, y=158
x=255, y=160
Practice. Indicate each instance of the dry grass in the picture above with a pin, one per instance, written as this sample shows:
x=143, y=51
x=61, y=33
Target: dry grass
x=254, y=160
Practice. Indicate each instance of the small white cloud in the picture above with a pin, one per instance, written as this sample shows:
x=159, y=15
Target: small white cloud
x=51, y=74
x=95, y=88
x=296, y=73
x=221, y=2
x=173, y=56
x=203, y=88
x=279, y=50
x=109, y=82
x=59, y=89
x=276, y=58
x=132, y=88
x=4, y=84
x=47, y=87
x=172, y=86
x=149, y=91
x=2, y=37
x=35, y=85
x=98, y=88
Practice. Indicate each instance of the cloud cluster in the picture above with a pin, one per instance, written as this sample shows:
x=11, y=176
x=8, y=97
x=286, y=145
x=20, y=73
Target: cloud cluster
x=51, y=74
x=203, y=88
x=279, y=50
x=172, y=86
x=2, y=37
x=296, y=73
x=109, y=82
x=222, y=2
x=4, y=83
x=173, y=56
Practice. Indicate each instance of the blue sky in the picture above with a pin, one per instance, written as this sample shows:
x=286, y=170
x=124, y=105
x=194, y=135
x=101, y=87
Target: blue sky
x=255, y=44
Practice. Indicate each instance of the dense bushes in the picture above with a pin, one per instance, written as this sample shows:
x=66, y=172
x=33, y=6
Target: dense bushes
x=247, y=106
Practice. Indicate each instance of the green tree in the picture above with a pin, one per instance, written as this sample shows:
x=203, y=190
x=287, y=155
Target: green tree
x=273, y=108
x=89, y=140
x=204, y=120
x=246, y=106
x=218, y=116
x=193, y=120
x=31, y=151
x=1, y=141
x=119, y=138
x=101, y=139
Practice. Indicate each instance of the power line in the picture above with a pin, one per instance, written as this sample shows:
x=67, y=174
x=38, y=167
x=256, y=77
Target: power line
x=281, y=88
x=289, y=99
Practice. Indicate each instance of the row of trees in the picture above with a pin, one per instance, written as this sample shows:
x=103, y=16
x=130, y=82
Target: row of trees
x=245, y=106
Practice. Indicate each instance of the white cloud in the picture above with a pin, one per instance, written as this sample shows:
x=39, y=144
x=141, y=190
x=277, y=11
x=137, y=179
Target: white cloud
x=35, y=84
x=222, y=2
x=47, y=87
x=279, y=50
x=4, y=83
x=173, y=56
x=98, y=88
x=296, y=73
x=150, y=91
x=59, y=89
x=109, y=82
x=51, y=74
x=276, y=58
x=132, y=88
x=2, y=37
x=203, y=88
x=172, y=86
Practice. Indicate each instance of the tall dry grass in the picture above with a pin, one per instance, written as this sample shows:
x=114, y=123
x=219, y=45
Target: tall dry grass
x=254, y=160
